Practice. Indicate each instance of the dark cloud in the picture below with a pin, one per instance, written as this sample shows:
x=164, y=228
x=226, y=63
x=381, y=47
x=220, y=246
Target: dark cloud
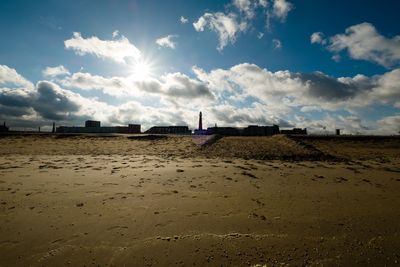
x=53, y=103
x=48, y=100
x=329, y=88
x=179, y=85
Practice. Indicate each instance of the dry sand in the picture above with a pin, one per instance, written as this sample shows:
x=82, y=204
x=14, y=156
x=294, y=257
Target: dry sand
x=115, y=201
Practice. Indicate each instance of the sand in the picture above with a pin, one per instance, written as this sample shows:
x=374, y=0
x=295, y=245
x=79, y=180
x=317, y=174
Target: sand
x=238, y=201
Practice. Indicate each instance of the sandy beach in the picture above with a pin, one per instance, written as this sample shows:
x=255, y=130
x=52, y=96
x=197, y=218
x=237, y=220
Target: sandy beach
x=167, y=200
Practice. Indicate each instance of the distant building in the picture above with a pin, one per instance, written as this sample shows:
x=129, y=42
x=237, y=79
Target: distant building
x=169, y=130
x=295, y=131
x=94, y=127
x=4, y=128
x=251, y=130
x=223, y=130
x=337, y=131
x=200, y=131
x=255, y=130
x=90, y=123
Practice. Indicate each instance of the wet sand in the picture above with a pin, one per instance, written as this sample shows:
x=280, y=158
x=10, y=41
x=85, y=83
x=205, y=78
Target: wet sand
x=114, y=201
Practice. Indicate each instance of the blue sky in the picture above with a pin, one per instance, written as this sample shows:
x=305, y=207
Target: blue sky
x=315, y=64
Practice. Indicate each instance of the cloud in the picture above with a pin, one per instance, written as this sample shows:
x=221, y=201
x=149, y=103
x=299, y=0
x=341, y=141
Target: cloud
x=317, y=38
x=117, y=50
x=285, y=90
x=226, y=26
x=247, y=7
x=167, y=41
x=10, y=76
x=183, y=20
x=178, y=85
x=277, y=44
x=115, y=33
x=364, y=42
x=170, y=86
x=390, y=124
x=55, y=71
x=281, y=9
x=239, y=16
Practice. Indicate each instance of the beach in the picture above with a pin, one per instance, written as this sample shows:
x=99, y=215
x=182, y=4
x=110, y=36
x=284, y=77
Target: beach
x=135, y=200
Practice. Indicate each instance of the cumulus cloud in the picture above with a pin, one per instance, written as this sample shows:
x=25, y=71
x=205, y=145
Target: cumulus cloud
x=171, y=85
x=317, y=38
x=285, y=89
x=364, y=42
x=167, y=41
x=118, y=50
x=55, y=71
x=281, y=8
x=11, y=76
x=247, y=7
x=239, y=16
x=183, y=20
x=226, y=26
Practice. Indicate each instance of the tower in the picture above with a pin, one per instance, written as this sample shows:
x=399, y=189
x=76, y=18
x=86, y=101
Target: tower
x=54, y=127
x=200, y=122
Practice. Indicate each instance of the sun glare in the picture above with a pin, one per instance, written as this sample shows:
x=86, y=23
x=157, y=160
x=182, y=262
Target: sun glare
x=141, y=69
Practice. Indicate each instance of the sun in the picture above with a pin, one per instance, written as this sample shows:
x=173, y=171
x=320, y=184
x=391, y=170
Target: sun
x=141, y=69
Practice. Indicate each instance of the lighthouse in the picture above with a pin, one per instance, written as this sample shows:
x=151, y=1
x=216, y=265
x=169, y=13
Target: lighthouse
x=200, y=122
x=199, y=130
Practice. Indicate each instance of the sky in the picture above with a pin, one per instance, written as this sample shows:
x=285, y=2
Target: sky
x=323, y=65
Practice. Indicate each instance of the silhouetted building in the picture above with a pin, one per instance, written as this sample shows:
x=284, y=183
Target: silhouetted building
x=94, y=127
x=296, y=131
x=337, y=131
x=169, y=130
x=4, y=128
x=54, y=128
x=200, y=122
x=251, y=130
x=200, y=130
x=90, y=123
x=223, y=130
x=255, y=130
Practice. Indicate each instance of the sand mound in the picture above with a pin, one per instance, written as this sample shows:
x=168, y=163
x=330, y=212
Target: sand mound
x=265, y=147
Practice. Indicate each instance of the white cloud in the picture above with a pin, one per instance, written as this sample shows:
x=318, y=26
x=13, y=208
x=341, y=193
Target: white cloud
x=277, y=44
x=239, y=16
x=55, y=71
x=281, y=9
x=317, y=38
x=115, y=33
x=171, y=85
x=11, y=76
x=283, y=90
x=390, y=124
x=118, y=50
x=183, y=20
x=167, y=41
x=226, y=26
x=247, y=7
x=364, y=42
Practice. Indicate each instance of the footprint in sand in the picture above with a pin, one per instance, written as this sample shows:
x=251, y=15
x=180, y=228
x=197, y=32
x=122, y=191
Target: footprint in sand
x=249, y=174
